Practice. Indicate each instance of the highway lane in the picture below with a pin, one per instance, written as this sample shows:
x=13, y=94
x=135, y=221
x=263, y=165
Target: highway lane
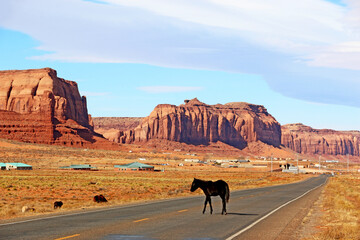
x=169, y=219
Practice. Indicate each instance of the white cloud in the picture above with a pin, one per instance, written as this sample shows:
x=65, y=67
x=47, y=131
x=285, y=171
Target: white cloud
x=285, y=25
x=169, y=89
x=74, y=26
x=345, y=55
x=288, y=42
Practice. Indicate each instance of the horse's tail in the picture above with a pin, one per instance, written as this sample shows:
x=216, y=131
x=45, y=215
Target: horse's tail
x=227, y=192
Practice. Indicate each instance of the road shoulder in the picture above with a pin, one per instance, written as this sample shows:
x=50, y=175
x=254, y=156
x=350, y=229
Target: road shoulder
x=287, y=222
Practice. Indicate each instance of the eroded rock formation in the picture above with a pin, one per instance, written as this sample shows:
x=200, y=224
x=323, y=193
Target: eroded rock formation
x=306, y=140
x=23, y=91
x=37, y=106
x=195, y=122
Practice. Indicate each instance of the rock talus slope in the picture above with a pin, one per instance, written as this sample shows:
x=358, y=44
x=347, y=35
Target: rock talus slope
x=195, y=122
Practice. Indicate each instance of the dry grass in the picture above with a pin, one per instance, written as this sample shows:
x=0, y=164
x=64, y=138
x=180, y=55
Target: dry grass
x=45, y=184
x=40, y=188
x=341, y=205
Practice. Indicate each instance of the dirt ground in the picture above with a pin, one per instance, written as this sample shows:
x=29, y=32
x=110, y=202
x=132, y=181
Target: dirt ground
x=38, y=189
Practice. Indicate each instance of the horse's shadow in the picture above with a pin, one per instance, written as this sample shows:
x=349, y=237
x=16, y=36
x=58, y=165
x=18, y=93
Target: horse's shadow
x=242, y=214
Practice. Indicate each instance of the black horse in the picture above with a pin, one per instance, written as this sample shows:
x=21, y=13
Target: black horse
x=210, y=188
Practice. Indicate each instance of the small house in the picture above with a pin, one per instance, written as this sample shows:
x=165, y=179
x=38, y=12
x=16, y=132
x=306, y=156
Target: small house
x=79, y=167
x=2, y=166
x=135, y=166
x=17, y=166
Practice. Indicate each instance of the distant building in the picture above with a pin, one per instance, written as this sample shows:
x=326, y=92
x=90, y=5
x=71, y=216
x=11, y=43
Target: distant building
x=332, y=161
x=2, y=166
x=135, y=166
x=243, y=161
x=293, y=169
x=192, y=160
x=17, y=166
x=79, y=167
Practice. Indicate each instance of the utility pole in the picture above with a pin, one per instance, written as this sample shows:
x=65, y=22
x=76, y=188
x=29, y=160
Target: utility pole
x=319, y=163
x=297, y=162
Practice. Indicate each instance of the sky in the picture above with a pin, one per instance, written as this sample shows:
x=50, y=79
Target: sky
x=299, y=59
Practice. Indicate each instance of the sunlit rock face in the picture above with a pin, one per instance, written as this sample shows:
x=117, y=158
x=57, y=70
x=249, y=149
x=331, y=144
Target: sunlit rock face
x=23, y=91
x=37, y=106
x=306, y=140
x=198, y=123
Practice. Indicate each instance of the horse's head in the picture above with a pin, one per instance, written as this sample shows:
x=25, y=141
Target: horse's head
x=194, y=185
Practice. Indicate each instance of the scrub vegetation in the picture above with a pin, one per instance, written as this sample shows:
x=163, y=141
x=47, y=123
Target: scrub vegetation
x=41, y=187
x=341, y=208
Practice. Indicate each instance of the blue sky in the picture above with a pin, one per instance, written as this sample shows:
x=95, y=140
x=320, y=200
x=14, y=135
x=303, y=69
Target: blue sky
x=300, y=59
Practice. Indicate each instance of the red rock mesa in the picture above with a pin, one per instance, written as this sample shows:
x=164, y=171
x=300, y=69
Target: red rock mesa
x=37, y=106
x=304, y=139
x=195, y=122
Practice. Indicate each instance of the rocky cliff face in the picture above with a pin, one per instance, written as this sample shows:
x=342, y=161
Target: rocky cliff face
x=23, y=91
x=304, y=139
x=37, y=106
x=195, y=122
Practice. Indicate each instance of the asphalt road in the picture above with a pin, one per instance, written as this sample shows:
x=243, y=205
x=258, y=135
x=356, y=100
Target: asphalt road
x=169, y=219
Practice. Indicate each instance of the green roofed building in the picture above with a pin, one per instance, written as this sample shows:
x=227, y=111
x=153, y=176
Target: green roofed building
x=135, y=166
x=18, y=166
x=2, y=166
x=79, y=167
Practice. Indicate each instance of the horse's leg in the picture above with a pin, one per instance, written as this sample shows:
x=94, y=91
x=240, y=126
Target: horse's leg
x=224, y=205
x=211, y=209
x=206, y=200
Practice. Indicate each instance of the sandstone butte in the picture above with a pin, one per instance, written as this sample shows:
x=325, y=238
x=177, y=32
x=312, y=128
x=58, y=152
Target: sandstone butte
x=194, y=122
x=37, y=106
x=306, y=140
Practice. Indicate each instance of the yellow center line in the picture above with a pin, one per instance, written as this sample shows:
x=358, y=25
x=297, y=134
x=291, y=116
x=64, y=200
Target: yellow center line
x=75, y=235
x=185, y=210
x=140, y=220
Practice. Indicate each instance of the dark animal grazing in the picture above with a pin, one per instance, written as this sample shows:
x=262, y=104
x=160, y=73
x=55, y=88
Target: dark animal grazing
x=218, y=188
x=58, y=204
x=99, y=198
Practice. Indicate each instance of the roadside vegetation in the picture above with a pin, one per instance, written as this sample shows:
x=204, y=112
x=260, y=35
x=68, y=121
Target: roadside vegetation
x=341, y=206
x=40, y=188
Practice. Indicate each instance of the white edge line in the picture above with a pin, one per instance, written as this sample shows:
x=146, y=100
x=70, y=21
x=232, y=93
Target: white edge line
x=267, y=215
